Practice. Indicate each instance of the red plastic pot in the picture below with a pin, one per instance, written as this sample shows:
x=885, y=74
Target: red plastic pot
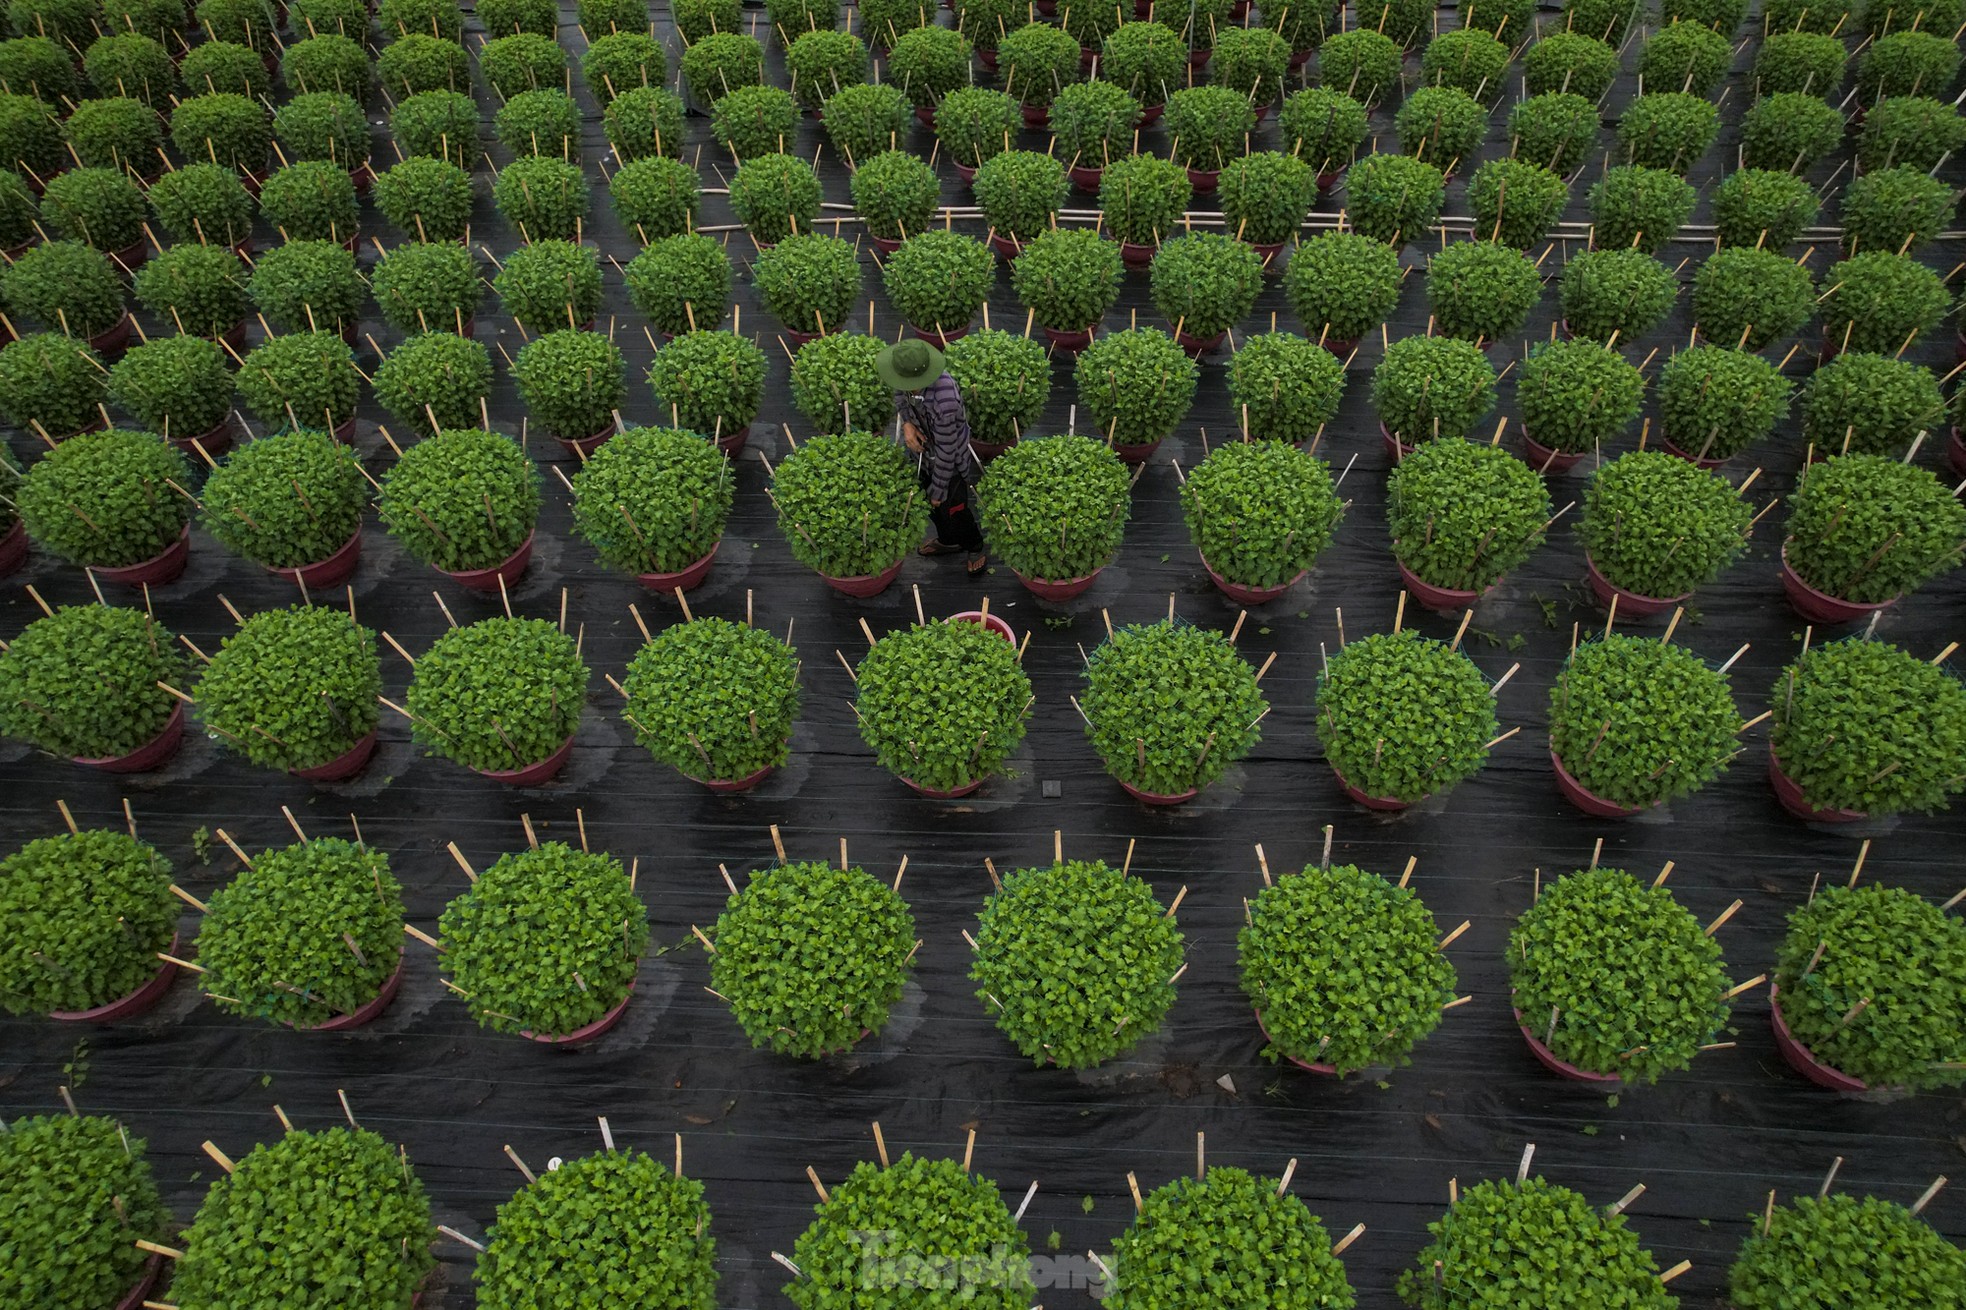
x=344, y=431
x=990, y=621
x=365, y=1013
x=1956, y=452
x=252, y=180
x=112, y=340
x=800, y=338
x=1244, y=595
x=236, y=337
x=1701, y=461
x=1587, y=801
x=581, y=1036
x=1386, y=803
x=165, y=566
x=730, y=786
x=140, y=1291
x=1549, y=1060
x=363, y=177
x=1204, y=180
x=1442, y=600
x=1008, y=247
x=1200, y=58
x=1801, y=1059
x=1199, y=346
x=1135, y=254
x=989, y=57
x=986, y=451
x=1269, y=250
x=1151, y=114
x=330, y=572
x=1087, y=179
x=147, y=756
x=687, y=579
x=581, y=447
x=533, y=774
x=864, y=585
x=1341, y=347
x=939, y=334
x=1298, y=58
x=883, y=244
x=488, y=579
x=1395, y=448
x=13, y=549
x=1062, y=589
x=132, y=1004
x=1068, y=343
x=1819, y=606
x=1797, y=804
x=1136, y=452
x=732, y=442
x=1329, y=1070
x=1630, y=603
x=925, y=115
x=343, y=766
x=1326, y=182
x=1036, y=117
x=215, y=442
x=131, y=257
x=936, y=794
x=967, y=172
x=1157, y=798
x=1545, y=460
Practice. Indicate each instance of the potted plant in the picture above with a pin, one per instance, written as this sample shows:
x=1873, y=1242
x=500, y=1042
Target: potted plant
x=1335, y=1009
x=1556, y=129
x=811, y=958
x=1515, y=202
x=1303, y=27
x=98, y=905
x=974, y=125
x=1481, y=291
x=1907, y=63
x=1613, y=981
x=1208, y=126
x=502, y=697
x=864, y=119
x=720, y=63
x=1284, y=388
x=1169, y=708
x=1879, y=302
x=506, y=17
x=929, y=63
x=411, y=65
x=850, y=509
x=1426, y=388
x=775, y=196
x=436, y=375
x=118, y=133
x=1655, y=528
x=327, y=62
x=1068, y=279
x=1401, y=716
x=1715, y=402
x=1204, y=283
x=1460, y=516
x=1863, y=728
x=1394, y=198
x=714, y=700
x=652, y=502
x=600, y=18
x=809, y=282
x=161, y=20
x=942, y=705
x=18, y=211
x=310, y=936
x=33, y=139
x=820, y=61
x=1639, y=207
x=1668, y=130
x=985, y=23
x=1135, y=387
x=656, y=198
x=644, y=122
x=895, y=195
x=51, y=382
x=1469, y=59
x=203, y=204
x=551, y=285
x=1913, y=131
x=44, y=68
x=1864, y=530
x=1077, y=961
x=1635, y=723
x=326, y=125
x=1761, y=207
x=1869, y=404
x=545, y=943
x=1442, y=125
x=295, y=689
x=546, y=199
x=1895, y=950
x=1054, y=510
x=835, y=384
x=1571, y=1252
x=100, y=208
x=71, y=288
x=179, y=388
x=437, y=125
x=1141, y=201
x=1362, y=63
x=750, y=121
x=1800, y=63
x=1252, y=62
x=711, y=383
x=82, y=684
x=225, y=128
x=1903, y=15
x=547, y=122
x=885, y=22
x=1265, y=197
x=1324, y=128
x=104, y=500
x=215, y=67
x=524, y=61
x=1577, y=397
x=1876, y=1244
x=1145, y=59
x=87, y=1179
x=1749, y=299
x=621, y=61
x=309, y=286
x=428, y=288
x=790, y=19
x=304, y=379
x=1894, y=209
x=1005, y=382
x=464, y=501
x=291, y=503
x=1686, y=58
x=1343, y=285
x=1020, y=192
x=1037, y=60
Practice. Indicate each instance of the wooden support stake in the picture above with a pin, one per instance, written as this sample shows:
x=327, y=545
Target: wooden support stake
x=224, y=1161
x=462, y=863
x=1721, y=919
x=1358, y=1231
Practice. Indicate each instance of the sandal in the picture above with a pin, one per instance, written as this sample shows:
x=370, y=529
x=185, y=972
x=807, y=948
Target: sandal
x=935, y=546
x=979, y=563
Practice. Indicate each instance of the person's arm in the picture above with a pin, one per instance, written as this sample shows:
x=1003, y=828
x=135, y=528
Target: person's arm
x=949, y=423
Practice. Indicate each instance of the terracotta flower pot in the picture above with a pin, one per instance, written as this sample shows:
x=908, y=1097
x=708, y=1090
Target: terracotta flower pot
x=936, y=794
x=215, y=442
x=1036, y=117
x=167, y=565
x=925, y=115
x=730, y=786
x=1200, y=58
x=687, y=578
x=153, y=753
x=1956, y=452
x=1199, y=346
x=1549, y=1060
x=132, y=1004
x=1699, y=461
x=1442, y=600
x=112, y=339
x=344, y=766
x=488, y=579
x=1136, y=452
x=800, y=338
x=1385, y=803
x=1150, y=114
x=862, y=586
x=131, y=257
x=532, y=775
x=1135, y=254
x=988, y=57
x=985, y=451
x=1819, y=606
x=139, y=1291
x=1396, y=449
x=1341, y=347
x=1801, y=1059
x=582, y=447
x=236, y=337
x=1630, y=603
x=1204, y=180
x=367, y=1012
x=1327, y=182
x=1157, y=798
x=1244, y=595
x=1061, y=589
x=1797, y=804
x=990, y=621
x=1298, y=58
x=344, y=431
x=13, y=549
x=1068, y=343
x=330, y=572
x=1587, y=801
x=883, y=244
x=942, y=335
x=1545, y=460
x=363, y=177
x=1268, y=250
x=1087, y=179
x=1008, y=247
x=967, y=172
x=581, y=1036
x=1329, y=1070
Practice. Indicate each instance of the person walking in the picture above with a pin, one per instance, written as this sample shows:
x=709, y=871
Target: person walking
x=935, y=426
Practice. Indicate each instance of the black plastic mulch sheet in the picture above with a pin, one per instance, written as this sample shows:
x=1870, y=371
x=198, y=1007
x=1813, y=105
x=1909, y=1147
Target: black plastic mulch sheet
x=1708, y=1144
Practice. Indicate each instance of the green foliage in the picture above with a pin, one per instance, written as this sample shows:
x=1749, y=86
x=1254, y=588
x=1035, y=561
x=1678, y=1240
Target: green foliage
x=1251, y=61
x=1283, y=387
x=1272, y=1246
x=1402, y=716
x=547, y=122
x=1265, y=196
x=1638, y=206
x=616, y=1225
x=1403, y=21
x=1804, y=63
x=1076, y=960
x=117, y=134
x=791, y=19
x=522, y=62
x=1467, y=59
x=600, y=18
x=975, y=124
x=1142, y=198
x=848, y=504
x=1020, y=192
x=696, y=19
x=214, y=67
x=293, y=688
x=1442, y=125
x=820, y=61
x=244, y=22
x=1578, y=396
x=18, y=210
x=546, y=941
x=1169, y=707
x=622, y=61
x=1205, y=282
x=32, y=137
x=99, y=206
x=447, y=373
x=1879, y=301
x=1306, y=23
x=811, y=957
x=436, y=124
x=499, y=694
x=1362, y=64
x=656, y=198
x=134, y=65
x=927, y=63
x=643, y=122
x=463, y=499
x=1481, y=290
x=103, y=498
x=1907, y=63
x=1426, y=388
x=865, y=118
x=1657, y=526
x=652, y=500
x=1638, y=722
x=835, y=386
x=550, y=285
x=1862, y=725
x=330, y=62
x=809, y=282
x=1055, y=508
x=506, y=17
x=82, y=684
x=1208, y=126
x=44, y=68
x=681, y=282
x=50, y=380
x=1569, y=62
x=1894, y=209
x=895, y=194
x=713, y=699
x=427, y=288
x=1866, y=528
x=1092, y=123
x=750, y=121
x=885, y=22
x=546, y=199
x=1005, y=381
x=1069, y=277
x=78, y=1195
x=1394, y=198
x=1090, y=22
x=323, y=125
x=1756, y=206
x=775, y=196
x=417, y=63
x=1135, y=386
x=1342, y=285
x=1516, y=202
x=1462, y=514
x=1886, y=16
x=986, y=22
x=175, y=386
x=303, y=935
x=1687, y=57
x=1723, y=16
x=1870, y=404
x=1343, y=968
x=710, y=383
x=573, y=382
x=1818, y=1252
x=1607, y=20
x=1916, y=131
x=1715, y=402
x=1748, y=299
x=942, y=705
x=440, y=18
x=65, y=285
x=720, y=63
x=309, y=286
x=225, y=128
x=311, y=201
x=1668, y=130
x=157, y=19
x=288, y=500
x=1557, y=129
x=1553, y=1246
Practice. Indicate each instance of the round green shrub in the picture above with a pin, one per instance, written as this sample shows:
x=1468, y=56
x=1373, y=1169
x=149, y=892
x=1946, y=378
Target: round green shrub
x=720, y=63
x=311, y=201
x=293, y=688
x=620, y=62
x=1426, y=388
x=1461, y=514
x=1324, y=128
x=104, y=499
x=462, y=499
x=1516, y=202
x=426, y=197
x=226, y=67
x=682, y=283
x=1869, y=404
x=1055, y=508
x=203, y=203
x=131, y=64
x=287, y=500
x=200, y=289
x=87, y=1179
x=309, y=286
x=656, y=198
x=1655, y=525
x=1868, y=529
x=942, y=705
x=1135, y=386
x=713, y=699
x=710, y=383
x=1362, y=63
x=1866, y=726
x=1686, y=57
x=65, y=285
x=1578, y=396
x=82, y=684
x=1761, y=207
x=437, y=124
x=1880, y=301
x=809, y=282
x=177, y=386
x=653, y=500
x=775, y=196
x=1260, y=513
x=1639, y=722
x=641, y=123
x=32, y=136
x=895, y=194
x=835, y=386
x=866, y=118
x=1748, y=299
x=1789, y=132
x=497, y=695
x=1284, y=388
x=1570, y=63
x=547, y=122
x=1468, y=59
x=416, y=63
x=52, y=382
x=1914, y=131
x=101, y=207
x=1715, y=402
x=1442, y=125
x=1482, y=290
x=572, y=382
x=436, y=373
x=926, y=63
x=1801, y=63
x=1557, y=129
x=1894, y=210
x=545, y=199
x=1402, y=716
x=848, y=504
x=1394, y=198
x=523, y=62
x=1342, y=285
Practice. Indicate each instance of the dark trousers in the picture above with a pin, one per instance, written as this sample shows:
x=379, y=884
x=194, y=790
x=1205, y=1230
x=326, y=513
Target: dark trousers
x=955, y=518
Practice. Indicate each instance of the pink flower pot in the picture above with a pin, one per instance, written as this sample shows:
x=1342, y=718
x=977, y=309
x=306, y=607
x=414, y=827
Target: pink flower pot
x=1545, y=460
x=1385, y=803
x=1036, y=117
x=1442, y=600
x=1396, y=449
x=330, y=572
x=1157, y=798
x=967, y=172
x=13, y=549
x=1329, y=1070
x=533, y=774
x=1243, y=595
x=112, y=340
x=131, y=257
x=215, y=442
x=1956, y=452
x=1151, y=114
x=148, y=756
x=1136, y=452
x=1797, y=804
x=1199, y=346
x=985, y=451
x=1008, y=247
x=1549, y=1060
x=925, y=115
x=941, y=335
x=1700, y=461
x=132, y=1004
x=344, y=766
x=1062, y=589
x=1135, y=254
x=1087, y=179
x=1068, y=343
x=688, y=579
x=731, y=786
x=581, y=1036
x=167, y=565
x=864, y=585
x=488, y=579
x=1269, y=250
x=990, y=621
x=936, y=794
x=1589, y=802
x=1630, y=603
x=1801, y=1059
x=140, y=1290
x=883, y=244
x=365, y=1013
x=800, y=338
x=581, y=447
x=1819, y=606
x=1204, y=180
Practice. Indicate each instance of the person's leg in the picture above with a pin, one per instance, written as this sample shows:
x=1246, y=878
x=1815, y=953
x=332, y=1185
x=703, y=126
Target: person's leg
x=957, y=524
